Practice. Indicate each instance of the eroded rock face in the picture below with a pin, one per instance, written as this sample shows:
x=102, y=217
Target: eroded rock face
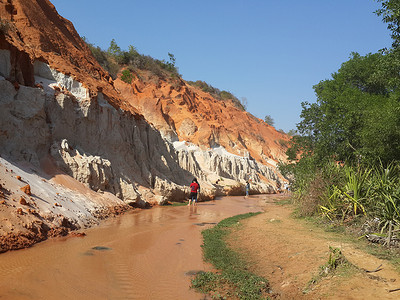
x=216, y=165
x=111, y=146
x=111, y=150
x=188, y=127
x=24, y=133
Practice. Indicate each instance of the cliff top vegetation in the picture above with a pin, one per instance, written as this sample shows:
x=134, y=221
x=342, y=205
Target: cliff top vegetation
x=114, y=59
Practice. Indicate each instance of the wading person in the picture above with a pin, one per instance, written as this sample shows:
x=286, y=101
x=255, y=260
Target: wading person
x=194, y=190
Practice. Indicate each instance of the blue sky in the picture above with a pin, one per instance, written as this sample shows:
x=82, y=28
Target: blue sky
x=270, y=52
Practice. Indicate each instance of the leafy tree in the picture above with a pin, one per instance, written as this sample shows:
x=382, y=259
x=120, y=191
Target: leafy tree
x=390, y=13
x=269, y=120
x=340, y=124
x=114, y=49
x=172, y=59
x=348, y=140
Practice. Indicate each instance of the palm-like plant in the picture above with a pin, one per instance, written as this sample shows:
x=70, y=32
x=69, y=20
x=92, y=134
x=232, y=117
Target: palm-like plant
x=387, y=197
x=356, y=190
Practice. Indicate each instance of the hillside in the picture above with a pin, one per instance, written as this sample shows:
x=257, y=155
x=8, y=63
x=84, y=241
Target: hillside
x=69, y=130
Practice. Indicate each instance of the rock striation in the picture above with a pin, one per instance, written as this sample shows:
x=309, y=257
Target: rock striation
x=63, y=116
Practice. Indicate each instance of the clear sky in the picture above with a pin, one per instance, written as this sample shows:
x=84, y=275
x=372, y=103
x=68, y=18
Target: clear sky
x=270, y=52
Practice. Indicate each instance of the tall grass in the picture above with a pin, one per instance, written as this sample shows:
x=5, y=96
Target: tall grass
x=343, y=192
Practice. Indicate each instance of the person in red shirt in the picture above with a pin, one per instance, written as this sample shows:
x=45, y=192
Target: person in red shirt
x=194, y=190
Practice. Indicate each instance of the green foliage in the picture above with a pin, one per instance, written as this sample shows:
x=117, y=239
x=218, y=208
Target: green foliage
x=269, y=120
x=114, y=49
x=355, y=122
x=348, y=196
x=234, y=281
x=218, y=94
x=343, y=125
x=127, y=76
x=385, y=185
x=390, y=13
x=115, y=58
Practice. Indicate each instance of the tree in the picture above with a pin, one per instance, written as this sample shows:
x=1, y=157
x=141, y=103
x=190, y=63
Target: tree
x=172, y=59
x=269, y=120
x=356, y=113
x=390, y=13
x=114, y=49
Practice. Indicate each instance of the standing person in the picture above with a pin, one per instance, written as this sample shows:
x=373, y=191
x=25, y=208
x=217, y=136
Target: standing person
x=286, y=188
x=247, y=188
x=194, y=190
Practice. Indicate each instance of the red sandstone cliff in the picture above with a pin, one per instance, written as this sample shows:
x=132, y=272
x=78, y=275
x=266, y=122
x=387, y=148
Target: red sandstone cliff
x=195, y=116
x=38, y=32
x=35, y=31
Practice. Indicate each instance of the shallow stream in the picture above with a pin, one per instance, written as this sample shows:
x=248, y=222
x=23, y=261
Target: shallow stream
x=146, y=254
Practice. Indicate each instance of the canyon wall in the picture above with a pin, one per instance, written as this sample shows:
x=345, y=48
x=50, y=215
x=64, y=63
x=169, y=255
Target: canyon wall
x=88, y=145
x=108, y=149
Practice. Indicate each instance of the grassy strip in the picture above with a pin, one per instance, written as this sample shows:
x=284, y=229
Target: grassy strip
x=233, y=281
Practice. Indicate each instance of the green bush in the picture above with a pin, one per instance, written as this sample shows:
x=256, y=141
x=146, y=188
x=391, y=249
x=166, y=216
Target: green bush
x=115, y=58
x=218, y=94
x=127, y=76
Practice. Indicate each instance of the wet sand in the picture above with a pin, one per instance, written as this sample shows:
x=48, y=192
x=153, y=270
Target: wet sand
x=145, y=254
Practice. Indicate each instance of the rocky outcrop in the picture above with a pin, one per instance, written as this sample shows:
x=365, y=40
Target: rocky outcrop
x=215, y=165
x=182, y=112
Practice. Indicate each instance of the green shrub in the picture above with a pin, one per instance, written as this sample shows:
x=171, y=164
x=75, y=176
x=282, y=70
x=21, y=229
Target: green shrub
x=127, y=76
x=115, y=58
x=218, y=94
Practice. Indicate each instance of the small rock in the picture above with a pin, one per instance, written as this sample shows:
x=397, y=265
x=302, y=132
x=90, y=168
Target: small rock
x=23, y=201
x=19, y=178
x=26, y=189
x=19, y=211
x=78, y=234
x=3, y=202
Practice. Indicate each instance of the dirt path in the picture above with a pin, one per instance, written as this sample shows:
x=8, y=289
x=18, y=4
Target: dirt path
x=289, y=253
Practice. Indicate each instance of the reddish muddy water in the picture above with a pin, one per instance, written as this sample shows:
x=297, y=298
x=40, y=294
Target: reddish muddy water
x=147, y=254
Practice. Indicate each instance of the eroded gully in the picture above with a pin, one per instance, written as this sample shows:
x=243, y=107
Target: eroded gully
x=147, y=254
